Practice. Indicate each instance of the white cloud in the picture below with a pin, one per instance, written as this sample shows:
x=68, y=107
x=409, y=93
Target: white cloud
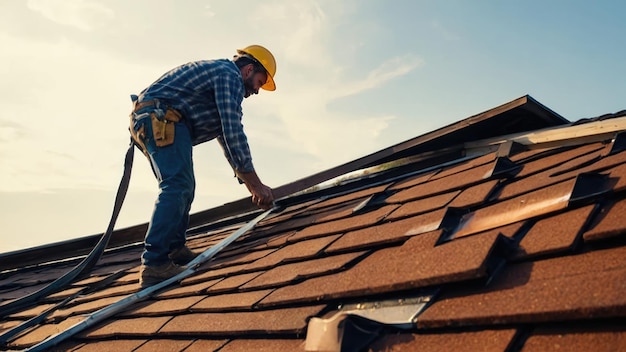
x=388, y=70
x=82, y=14
x=11, y=131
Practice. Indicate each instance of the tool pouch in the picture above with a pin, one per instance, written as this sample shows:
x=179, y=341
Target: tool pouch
x=163, y=127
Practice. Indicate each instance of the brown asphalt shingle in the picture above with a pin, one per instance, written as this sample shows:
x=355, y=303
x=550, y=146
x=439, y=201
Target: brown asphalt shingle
x=486, y=340
x=538, y=291
x=609, y=222
x=230, y=301
x=415, y=264
x=557, y=233
x=289, y=320
x=579, y=340
x=142, y=326
x=262, y=345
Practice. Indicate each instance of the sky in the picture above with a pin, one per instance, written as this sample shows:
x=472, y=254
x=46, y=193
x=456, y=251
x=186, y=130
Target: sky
x=353, y=77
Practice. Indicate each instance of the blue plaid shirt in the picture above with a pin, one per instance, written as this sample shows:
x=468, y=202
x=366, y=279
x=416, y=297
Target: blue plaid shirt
x=209, y=94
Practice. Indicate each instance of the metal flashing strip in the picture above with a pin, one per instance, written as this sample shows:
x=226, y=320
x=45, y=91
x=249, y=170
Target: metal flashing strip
x=590, y=185
x=372, y=201
x=542, y=202
x=125, y=302
x=353, y=323
x=619, y=143
x=510, y=148
x=504, y=168
x=400, y=313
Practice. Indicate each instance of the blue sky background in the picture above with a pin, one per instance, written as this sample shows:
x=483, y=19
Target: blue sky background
x=353, y=77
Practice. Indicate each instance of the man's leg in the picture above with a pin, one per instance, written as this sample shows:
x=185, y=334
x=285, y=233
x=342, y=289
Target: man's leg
x=174, y=170
x=181, y=229
x=179, y=252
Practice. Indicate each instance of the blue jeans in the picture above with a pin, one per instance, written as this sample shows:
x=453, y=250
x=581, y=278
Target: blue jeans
x=173, y=169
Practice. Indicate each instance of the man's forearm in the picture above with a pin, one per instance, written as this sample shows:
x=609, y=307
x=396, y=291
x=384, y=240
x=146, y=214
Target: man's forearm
x=251, y=179
x=261, y=194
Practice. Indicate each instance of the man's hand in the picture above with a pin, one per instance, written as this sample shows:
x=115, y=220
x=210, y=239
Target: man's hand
x=261, y=194
x=263, y=197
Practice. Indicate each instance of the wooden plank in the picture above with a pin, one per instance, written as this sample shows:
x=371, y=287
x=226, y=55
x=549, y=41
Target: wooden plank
x=558, y=136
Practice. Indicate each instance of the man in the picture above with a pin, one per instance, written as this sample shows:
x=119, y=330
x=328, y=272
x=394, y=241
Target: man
x=191, y=104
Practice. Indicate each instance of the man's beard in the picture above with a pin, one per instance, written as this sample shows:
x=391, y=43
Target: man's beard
x=248, y=86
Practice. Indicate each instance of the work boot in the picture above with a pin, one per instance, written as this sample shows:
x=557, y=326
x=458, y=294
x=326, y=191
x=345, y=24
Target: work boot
x=150, y=275
x=183, y=255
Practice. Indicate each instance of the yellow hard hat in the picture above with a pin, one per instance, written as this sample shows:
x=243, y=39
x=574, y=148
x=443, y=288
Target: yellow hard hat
x=266, y=59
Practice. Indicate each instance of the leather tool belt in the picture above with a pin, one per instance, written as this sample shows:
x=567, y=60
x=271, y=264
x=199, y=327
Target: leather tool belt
x=163, y=126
